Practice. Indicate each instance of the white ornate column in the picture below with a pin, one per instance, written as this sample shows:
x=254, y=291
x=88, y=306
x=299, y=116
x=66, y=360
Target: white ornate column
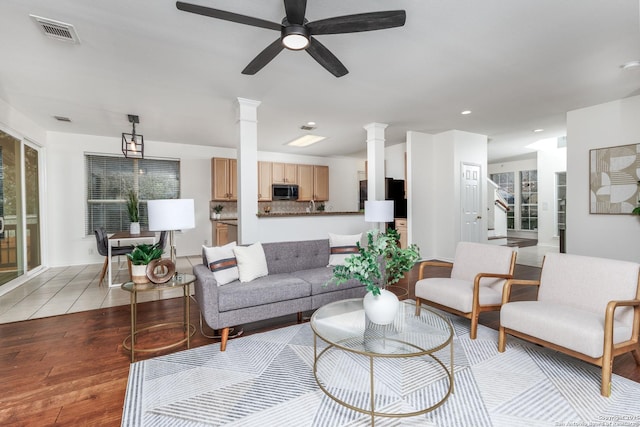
x=247, y=170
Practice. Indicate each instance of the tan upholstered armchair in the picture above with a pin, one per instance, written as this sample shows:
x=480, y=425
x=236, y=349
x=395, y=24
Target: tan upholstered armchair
x=588, y=308
x=478, y=274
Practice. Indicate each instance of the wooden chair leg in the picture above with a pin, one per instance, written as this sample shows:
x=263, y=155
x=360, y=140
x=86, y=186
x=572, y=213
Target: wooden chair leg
x=607, y=367
x=299, y=317
x=474, y=327
x=418, y=306
x=502, y=340
x=223, y=339
x=104, y=270
x=636, y=355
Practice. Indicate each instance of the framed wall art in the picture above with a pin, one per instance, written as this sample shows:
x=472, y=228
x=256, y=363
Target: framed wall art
x=613, y=179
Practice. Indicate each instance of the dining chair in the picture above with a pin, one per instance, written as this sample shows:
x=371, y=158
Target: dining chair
x=102, y=242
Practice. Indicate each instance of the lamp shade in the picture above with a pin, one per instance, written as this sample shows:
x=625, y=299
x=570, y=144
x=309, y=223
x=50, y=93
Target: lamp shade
x=378, y=210
x=171, y=214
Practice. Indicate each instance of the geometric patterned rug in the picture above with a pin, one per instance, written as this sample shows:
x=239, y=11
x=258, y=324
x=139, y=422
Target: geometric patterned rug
x=267, y=379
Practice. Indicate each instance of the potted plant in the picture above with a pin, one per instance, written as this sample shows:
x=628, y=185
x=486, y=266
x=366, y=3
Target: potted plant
x=217, y=209
x=133, y=211
x=140, y=257
x=380, y=263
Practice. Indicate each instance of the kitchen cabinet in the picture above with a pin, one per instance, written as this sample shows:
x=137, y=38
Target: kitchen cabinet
x=264, y=181
x=284, y=173
x=321, y=183
x=401, y=228
x=221, y=234
x=313, y=183
x=224, y=173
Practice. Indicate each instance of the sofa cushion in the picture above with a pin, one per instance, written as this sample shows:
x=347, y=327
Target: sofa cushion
x=251, y=262
x=222, y=262
x=589, y=283
x=261, y=291
x=455, y=293
x=569, y=327
x=472, y=258
x=287, y=257
x=318, y=277
x=342, y=247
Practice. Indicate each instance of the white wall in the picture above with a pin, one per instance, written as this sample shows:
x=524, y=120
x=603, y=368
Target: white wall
x=20, y=126
x=421, y=193
x=434, y=168
x=550, y=162
x=605, y=125
x=67, y=242
x=394, y=161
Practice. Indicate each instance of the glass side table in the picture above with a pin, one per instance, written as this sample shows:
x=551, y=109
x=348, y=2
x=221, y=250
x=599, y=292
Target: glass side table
x=180, y=280
x=344, y=326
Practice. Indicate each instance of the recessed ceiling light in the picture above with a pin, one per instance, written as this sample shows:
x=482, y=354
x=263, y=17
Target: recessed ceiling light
x=538, y=130
x=311, y=123
x=465, y=112
x=630, y=64
x=306, y=140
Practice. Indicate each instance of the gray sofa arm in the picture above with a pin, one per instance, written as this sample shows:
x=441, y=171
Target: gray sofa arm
x=206, y=291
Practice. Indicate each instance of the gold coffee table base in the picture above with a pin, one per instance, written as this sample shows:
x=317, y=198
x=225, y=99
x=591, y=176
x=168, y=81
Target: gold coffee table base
x=343, y=326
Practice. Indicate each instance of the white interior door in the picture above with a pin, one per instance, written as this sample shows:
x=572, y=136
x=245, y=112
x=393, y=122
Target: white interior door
x=471, y=203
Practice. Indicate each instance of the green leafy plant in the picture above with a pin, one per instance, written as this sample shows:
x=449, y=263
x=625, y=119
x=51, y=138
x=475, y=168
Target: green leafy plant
x=132, y=206
x=143, y=254
x=218, y=208
x=381, y=263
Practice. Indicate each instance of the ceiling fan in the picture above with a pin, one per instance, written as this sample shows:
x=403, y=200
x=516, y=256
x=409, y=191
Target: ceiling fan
x=296, y=33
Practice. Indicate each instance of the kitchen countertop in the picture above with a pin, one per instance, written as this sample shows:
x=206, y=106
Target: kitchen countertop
x=227, y=221
x=285, y=214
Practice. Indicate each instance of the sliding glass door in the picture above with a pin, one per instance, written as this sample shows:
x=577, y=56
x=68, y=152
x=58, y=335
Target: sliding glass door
x=19, y=210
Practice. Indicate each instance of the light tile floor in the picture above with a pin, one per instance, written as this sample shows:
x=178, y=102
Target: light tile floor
x=64, y=290
x=71, y=289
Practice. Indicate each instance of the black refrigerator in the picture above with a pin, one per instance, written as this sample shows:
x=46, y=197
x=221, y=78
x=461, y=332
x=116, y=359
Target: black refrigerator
x=394, y=190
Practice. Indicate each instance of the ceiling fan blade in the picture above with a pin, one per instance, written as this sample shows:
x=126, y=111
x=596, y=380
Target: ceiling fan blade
x=325, y=58
x=228, y=16
x=295, y=11
x=263, y=58
x=360, y=22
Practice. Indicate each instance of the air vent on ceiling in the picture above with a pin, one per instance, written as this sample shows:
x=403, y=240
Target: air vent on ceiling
x=56, y=30
x=307, y=127
x=62, y=118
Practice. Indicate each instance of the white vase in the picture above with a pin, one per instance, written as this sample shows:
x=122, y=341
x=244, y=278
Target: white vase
x=134, y=228
x=381, y=309
x=139, y=274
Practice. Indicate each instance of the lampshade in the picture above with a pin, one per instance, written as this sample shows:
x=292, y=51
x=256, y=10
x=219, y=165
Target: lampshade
x=378, y=210
x=171, y=214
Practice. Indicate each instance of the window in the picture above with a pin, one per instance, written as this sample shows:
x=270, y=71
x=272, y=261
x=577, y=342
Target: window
x=529, y=200
x=505, y=181
x=110, y=178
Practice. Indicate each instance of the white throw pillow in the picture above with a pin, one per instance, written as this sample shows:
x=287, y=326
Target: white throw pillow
x=251, y=262
x=341, y=247
x=222, y=262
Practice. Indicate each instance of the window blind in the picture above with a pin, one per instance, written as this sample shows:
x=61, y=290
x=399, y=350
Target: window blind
x=109, y=180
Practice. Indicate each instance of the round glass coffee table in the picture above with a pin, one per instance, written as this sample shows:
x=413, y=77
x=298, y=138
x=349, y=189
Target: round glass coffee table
x=407, y=351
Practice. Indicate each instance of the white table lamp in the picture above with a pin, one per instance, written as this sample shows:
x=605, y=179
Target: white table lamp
x=171, y=215
x=379, y=211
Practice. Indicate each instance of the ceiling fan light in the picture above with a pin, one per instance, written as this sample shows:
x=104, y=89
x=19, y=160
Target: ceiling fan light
x=295, y=37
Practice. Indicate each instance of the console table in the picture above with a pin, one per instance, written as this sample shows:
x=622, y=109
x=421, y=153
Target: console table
x=180, y=280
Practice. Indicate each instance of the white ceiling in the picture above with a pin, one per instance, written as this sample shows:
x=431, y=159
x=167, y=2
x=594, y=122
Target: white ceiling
x=518, y=65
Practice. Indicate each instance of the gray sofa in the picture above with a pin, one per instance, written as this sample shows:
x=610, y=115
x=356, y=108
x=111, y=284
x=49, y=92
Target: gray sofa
x=297, y=274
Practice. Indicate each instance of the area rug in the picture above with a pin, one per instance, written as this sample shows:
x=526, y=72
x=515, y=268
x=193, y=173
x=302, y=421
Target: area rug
x=267, y=379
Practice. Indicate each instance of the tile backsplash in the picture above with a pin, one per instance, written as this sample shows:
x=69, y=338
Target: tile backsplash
x=230, y=209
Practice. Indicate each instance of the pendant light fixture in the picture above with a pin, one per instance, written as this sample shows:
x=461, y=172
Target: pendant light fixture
x=132, y=143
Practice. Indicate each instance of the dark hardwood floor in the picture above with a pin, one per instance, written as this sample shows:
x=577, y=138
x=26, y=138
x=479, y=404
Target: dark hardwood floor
x=72, y=370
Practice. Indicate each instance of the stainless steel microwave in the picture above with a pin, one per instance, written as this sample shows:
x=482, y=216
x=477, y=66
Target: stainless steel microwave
x=284, y=192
